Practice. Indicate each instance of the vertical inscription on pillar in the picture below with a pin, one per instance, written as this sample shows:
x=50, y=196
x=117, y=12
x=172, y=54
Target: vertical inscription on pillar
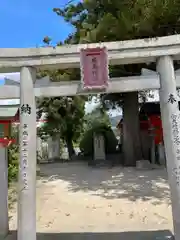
x=175, y=130
x=25, y=110
x=176, y=141
x=171, y=98
x=176, y=173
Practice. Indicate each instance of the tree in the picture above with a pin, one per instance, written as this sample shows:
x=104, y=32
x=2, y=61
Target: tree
x=112, y=20
x=96, y=117
x=47, y=40
x=64, y=117
x=87, y=143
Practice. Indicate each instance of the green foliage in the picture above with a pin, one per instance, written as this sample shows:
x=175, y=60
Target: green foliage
x=97, y=116
x=86, y=144
x=47, y=40
x=13, y=156
x=112, y=20
x=13, y=162
x=12, y=172
x=65, y=116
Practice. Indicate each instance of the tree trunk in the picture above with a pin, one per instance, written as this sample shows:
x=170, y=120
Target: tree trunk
x=70, y=148
x=131, y=129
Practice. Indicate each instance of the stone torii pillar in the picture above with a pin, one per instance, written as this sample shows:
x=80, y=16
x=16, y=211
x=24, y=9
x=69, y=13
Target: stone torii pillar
x=4, y=221
x=27, y=168
x=171, y=130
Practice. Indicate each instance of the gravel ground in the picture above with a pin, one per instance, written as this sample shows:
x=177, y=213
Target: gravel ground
x=75, y=201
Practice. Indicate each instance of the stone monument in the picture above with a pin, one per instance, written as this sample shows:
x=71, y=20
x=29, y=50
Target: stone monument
x=99, y=147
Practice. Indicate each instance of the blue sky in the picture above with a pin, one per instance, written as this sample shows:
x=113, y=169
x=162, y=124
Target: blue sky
x=24, y=23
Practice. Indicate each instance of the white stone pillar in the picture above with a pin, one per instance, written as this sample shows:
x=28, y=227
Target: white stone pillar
x=4, y=225
x=171, y=133
x=27, y=170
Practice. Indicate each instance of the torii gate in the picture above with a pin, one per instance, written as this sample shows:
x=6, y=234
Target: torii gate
x=160, y=50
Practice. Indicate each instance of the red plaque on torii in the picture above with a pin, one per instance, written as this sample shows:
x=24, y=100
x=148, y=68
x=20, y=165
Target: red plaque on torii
x=94, y=68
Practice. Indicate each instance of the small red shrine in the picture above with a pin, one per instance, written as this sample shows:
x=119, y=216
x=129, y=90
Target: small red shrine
x=8, y=115
x=150, y=120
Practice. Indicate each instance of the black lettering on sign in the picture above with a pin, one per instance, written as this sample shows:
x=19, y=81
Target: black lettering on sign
x=25, y=126
x=174, y=120
x=94, y=73
x=24, y=162
x=25, y=109
x=171, y=98
x=24, y=174
x=25, y=187
x=175, y=129
x=178, y=151
x=25, y=133
x=176, y=174
x=24, y=149
x=25, y=154
x=94, y=60
x=24, y=138
x=24, y=143
x=177, y=140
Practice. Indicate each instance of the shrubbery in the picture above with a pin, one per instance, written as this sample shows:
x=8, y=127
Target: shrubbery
x=13, y=155
x=13, y=161
x=86, y=144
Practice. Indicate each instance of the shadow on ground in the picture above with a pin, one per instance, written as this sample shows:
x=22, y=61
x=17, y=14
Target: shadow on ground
x=142, y=235
x=114, y=183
